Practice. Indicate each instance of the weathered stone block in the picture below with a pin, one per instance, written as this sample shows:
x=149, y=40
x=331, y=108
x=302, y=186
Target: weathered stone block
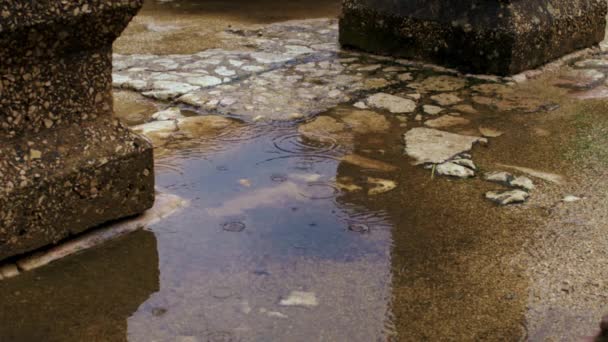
x=481, y=36
x=65, y=164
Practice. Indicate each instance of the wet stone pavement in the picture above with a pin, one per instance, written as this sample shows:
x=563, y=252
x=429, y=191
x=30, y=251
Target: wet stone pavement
x=341, y=196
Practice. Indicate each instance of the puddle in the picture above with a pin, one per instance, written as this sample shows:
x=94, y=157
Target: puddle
x=318, y=227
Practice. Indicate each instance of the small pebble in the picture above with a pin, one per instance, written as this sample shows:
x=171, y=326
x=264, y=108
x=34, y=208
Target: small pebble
x=498, y=177
x=508, y=197
x=571, y=198
x=300, y=298
x=522, y=183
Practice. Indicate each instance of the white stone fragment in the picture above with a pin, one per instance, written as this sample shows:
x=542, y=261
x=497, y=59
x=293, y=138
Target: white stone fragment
x=269, y=58
x=465, y=162
x=432, y=110
x=167, y=90
x=204, y=81
x=334, y=93
x=300, y=298
x=498, y=177
x=164, y=77
x=176, y=87
x=137, y=85
x=571, y=199
x=508, y=197
x=360, y=105
x=298, y=49
x=393, y=104
x=119, y=80
x=236, y=63
x=522, y=183
x=253, y=68
x=223, y=71
x=171, y=113
x=156, y=127
x=428, y=145
x=592, y=63
x=454, y=170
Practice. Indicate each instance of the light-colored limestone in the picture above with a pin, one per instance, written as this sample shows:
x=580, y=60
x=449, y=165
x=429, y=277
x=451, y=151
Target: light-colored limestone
x=391, y=103
x=426, y=145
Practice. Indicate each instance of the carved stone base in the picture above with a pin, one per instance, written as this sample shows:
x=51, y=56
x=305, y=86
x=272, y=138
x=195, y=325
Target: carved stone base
x=61, y=182
x=490, y=36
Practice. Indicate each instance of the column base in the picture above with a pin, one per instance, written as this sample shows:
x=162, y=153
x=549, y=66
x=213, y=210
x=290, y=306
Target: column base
x=64, y=181
x=486, y=37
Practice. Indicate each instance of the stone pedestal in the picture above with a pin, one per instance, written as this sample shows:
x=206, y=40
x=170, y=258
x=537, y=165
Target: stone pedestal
x=65, y=164
x=481, y=36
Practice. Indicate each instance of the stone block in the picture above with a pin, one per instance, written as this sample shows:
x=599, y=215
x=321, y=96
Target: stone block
x=500, y=37
x=66, y=165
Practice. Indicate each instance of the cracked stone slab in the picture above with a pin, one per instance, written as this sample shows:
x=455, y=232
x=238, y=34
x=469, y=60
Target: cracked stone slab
x=392, y=103
x=167, y=77
x=300, y=90
x=170, y=76
x=426, y=145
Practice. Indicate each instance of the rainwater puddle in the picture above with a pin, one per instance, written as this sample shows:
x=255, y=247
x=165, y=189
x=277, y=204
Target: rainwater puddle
x=268, y=217
x=282, y=230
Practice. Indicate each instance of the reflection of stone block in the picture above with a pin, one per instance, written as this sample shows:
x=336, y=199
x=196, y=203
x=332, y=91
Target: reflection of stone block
x=65, y=164
x=491, y=36
x=88, y=298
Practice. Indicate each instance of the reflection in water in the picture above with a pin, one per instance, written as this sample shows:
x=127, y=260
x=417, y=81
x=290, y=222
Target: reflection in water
x=83, y=298
x=286, y=232
x=399, y=261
